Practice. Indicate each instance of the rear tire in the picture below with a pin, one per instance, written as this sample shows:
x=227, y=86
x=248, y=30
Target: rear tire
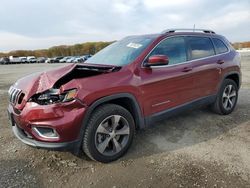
x=227, y=97
x=109, y=133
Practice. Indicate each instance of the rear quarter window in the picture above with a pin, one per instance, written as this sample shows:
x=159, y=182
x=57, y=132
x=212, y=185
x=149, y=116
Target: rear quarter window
x=200, y=47
x=220, y=47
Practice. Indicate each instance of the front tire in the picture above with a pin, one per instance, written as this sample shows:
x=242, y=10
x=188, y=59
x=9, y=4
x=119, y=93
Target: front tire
x=109, y=133
x=227, y=98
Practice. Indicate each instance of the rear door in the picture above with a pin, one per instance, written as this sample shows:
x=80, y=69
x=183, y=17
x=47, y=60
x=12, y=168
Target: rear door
x=205, y=65
x=167, y=86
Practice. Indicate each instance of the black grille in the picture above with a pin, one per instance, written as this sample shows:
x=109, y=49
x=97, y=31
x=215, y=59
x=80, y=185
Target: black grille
x=14, y=95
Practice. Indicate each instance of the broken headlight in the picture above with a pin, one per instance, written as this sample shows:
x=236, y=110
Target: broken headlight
x=53, y=96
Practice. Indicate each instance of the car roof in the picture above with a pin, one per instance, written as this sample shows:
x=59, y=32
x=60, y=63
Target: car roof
x=180, y=32
x=191, y=32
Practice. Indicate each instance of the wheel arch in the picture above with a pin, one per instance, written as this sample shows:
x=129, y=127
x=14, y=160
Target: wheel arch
x=233, y=75
x=125, y=100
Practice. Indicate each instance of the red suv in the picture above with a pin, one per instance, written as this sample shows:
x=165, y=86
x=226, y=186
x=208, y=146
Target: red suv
x=97, y=106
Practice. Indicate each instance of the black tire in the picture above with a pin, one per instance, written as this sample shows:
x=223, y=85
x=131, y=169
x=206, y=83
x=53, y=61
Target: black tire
x=218, y=106
x=92, y=137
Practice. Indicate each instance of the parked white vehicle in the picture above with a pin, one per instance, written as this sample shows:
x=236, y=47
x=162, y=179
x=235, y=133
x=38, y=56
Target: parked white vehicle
x=70, y=60
x=31, y=59
x=14, y=59
x=63, y=60
x=48, y=60
x=23, y=59
x=79, y=60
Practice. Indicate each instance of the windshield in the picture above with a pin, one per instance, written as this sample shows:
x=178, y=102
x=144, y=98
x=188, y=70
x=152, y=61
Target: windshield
x=122, y=52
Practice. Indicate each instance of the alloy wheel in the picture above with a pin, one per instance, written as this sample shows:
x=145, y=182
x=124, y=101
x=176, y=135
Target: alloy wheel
x=229, y=97
x=112, y=135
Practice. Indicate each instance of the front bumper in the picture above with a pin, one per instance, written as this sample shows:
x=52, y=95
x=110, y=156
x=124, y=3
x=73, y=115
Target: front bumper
x=64, y=118
x=46, y=145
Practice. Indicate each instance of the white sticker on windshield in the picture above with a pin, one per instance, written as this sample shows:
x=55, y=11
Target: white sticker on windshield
x=134, y=45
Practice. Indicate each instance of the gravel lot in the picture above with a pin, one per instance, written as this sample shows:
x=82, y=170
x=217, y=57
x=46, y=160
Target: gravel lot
x=194, y=149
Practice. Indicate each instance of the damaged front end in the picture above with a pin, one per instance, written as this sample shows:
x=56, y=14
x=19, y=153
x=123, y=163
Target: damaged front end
x=52, y=96
x=44, y=108
x=82, y=71
x=52, y=91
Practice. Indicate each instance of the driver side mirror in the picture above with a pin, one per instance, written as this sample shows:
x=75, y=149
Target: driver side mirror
x=157, y=60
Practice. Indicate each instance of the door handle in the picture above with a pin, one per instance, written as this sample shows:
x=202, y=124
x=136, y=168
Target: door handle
x=187, y=69
x=220, y=62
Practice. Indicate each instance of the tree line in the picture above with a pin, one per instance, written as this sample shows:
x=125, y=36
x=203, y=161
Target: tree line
x=239, y=45
x=79, y=49
x=63, y=50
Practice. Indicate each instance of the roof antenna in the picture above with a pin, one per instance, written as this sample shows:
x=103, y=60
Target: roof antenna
x=194, y=28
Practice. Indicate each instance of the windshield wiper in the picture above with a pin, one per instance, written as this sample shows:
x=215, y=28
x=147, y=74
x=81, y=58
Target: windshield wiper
x=98, y=68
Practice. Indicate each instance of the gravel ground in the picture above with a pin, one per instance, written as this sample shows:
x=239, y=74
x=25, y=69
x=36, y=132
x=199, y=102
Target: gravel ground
x=194, y=149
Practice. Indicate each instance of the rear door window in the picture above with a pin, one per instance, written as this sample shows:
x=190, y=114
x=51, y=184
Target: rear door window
x=174, y=48
x=220, y=47
x=200, y=47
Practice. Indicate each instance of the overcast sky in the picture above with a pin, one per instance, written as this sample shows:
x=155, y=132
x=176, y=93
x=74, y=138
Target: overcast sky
x=35, y=24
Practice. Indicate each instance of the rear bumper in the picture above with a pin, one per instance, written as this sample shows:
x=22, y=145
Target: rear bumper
x=69, y=146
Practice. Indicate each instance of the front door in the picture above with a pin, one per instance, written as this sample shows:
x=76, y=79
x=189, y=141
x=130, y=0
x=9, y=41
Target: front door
x=165, y=87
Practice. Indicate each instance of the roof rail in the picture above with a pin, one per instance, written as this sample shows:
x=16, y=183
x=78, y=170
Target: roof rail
x=190, y=30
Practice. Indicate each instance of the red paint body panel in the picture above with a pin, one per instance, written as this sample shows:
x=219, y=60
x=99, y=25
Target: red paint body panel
x=155, y=89
x=168, y=85
x=66, y=119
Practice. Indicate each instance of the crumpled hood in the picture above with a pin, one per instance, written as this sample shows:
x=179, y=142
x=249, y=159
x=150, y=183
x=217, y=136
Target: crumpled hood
x=39, y=82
